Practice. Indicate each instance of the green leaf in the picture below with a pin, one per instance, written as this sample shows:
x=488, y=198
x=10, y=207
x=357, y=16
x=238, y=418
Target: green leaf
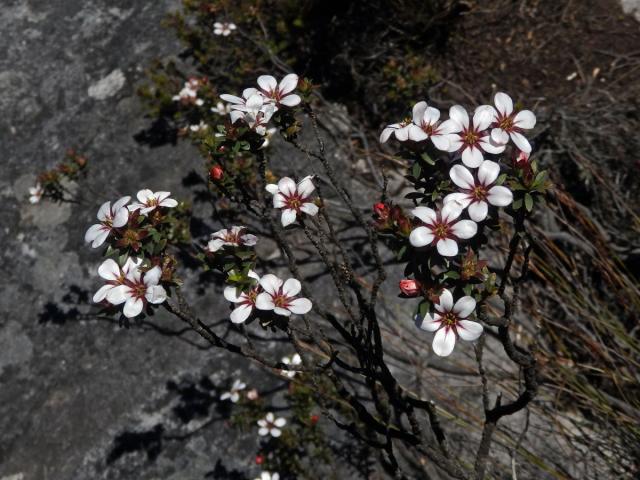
x=416, y=170
x=425, y=156
x=528, y=202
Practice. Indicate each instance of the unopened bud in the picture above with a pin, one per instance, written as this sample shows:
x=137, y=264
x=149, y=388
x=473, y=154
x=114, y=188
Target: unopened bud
x=216, y=172
x=410, y=287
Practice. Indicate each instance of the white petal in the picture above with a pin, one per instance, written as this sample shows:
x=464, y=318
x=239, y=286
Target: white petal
x=288, y=217
x=132, y=307
x=300, y=306
x=215, y=245
x=431, y=116
x=232, y=294
x=109, y=270
x=488, y=172
x=93, y=232
x=156, y=294
x=280, y=422
x=426, y=214
x=418, y=112
x=499, y=196
x=441, y=142
x=101, y=294
x=121, y=202
x=521, y=142
x=287, y=186
x=232, y=99
x=121, y=217
x=462, y=199
x=267, y=83
x=281, y=311
x=464, y=228
x=489, y=146
x=402, y=133
x=430, y=324
x=447, y=247
x=264, y=301
x=100, y=239
x=152, y=277
x=449, y=126
x=288, y=84
x=450, y=212
x=462, y=177
x=460, y=116
x=306, y=186
x=169, y=203
x=464, y=306
x=525, y=119
x=468, y=330
x=275, y=432
x=417, y=134
x=309, y=208
x=262, y=431
x=478, y=211
x=445, y=301
x=483, y=116
x=144, y=195
x=270, y=283
x=499, y=136
x=504, y=104
x=241, y=313
x=472, y=157
x=386, y=133
x=291, y=287
x=443, y=342
x=421, y=237
x=291, y=100
x=272, y=188
x=104, y=212
x=118, y=295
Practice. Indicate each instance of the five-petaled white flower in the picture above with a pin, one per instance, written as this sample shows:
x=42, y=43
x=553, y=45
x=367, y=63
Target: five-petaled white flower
x=426, y=119
x=280, y=296
x=223, y=28
x=471, y=138
x=280, y=93
x=507, y=123
x=234, y=394
x=35, y=193
x=110, y=216
x=245, y=301
x=293, y=198
x=268, y=476
x=270, y=425
x=399, y=130
x=477, y=192
x=449, y=322
x=149, y=201
x=442, y=229
x=114, y=275
x=234, y=237
x=294, y=361
x=137, y=290
x=240, y=103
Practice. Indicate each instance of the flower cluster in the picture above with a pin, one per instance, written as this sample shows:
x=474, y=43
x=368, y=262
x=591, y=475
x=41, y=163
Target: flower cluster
x=293, y=361
x=189, y=93
x=52, y=183
x=223, y=28
x=257, y=106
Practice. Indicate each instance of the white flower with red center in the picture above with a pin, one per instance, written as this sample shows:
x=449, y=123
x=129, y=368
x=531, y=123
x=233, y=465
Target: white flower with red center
x=293, y=198
x=280, y=93
x=509, y=124
x=234, y=394
x=293, y=361
x=477, y=192
x=427, y=118
x=270, y=425
x=240, y=103
x=245, y=302
x=137, y=291
x=450, y=321
x=111, y=217
x=35, y=193
x=149, y=201
x=234, y=237
x=470, y=138
x=280, y=296
x=268, y=476
x=257, y=120
x=223, y=28
x=442, y=229
x=114, y=275
x=400, y=130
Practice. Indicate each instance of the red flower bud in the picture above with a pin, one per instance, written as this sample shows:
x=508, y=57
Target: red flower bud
x=522, y=158
x=382, y=210
x=216, y=172
x=410, y=287
x=259, y=459
x=314, y=419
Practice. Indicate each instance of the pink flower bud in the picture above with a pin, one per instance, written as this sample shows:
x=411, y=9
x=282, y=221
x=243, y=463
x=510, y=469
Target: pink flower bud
x=410, y=287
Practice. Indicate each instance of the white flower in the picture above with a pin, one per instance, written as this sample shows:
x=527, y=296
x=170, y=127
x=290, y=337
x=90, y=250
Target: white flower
x=234, y=237
x=35, y=193
x=257, y=120
x=280, y=93
x=245, y=301
x=426, y=118
x=268, y=476
x=138, y=290
x=293, y=198
x=200, y=126
x=471, y=138
x=507, y=124
x=110, y=216
x=450, y=321
x=442, y=229
x=150, y=200
x=234, y=394
x=221, y=108
x=223, y=28
x=294, y=360
x=240, y=103
x=478, y=191
x=270, y=425
x=189, y=92
x=280, y=296
x=399, y=130
x=114, y=275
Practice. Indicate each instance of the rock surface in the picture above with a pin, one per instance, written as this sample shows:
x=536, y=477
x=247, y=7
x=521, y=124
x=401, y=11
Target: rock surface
x=80, y=396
